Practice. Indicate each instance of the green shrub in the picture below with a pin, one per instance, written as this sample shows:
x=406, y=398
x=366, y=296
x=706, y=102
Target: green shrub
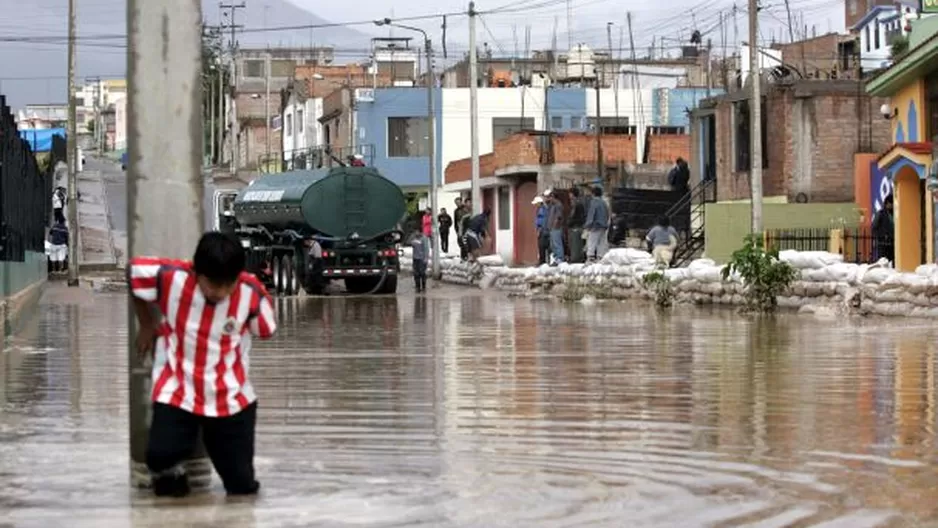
x=765, y=276
x=659, y=284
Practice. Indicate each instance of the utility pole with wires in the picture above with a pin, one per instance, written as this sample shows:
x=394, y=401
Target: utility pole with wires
x=72, y=156
x=476, y=193
x=233, y=132
x=615, y=62
x=755, y=117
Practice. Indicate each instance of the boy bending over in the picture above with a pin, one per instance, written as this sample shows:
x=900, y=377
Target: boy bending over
x=198, y=319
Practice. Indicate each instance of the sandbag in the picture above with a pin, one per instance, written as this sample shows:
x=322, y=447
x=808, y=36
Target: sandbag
x=809, y=259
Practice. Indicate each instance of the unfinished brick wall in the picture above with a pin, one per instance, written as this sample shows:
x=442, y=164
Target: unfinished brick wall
x=810, y=142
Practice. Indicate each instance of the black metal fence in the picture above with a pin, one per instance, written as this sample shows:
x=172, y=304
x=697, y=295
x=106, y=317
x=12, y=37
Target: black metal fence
x=25, y=192
x=857, y=244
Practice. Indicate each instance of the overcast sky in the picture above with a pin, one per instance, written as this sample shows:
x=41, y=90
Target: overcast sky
x=35, y=72
x=673, y=19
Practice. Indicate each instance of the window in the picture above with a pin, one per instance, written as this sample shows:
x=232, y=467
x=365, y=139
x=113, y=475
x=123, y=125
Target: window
x=503, y=127
x=289, y=125
x=931, y=106
x=610, y=125
x=254, y=68
x=866, y=32
x=578, y=122
x=854, y=7
x=504, y=208
x=281, y=68
x=741, y=124
x=876, y=34
x=556, y=122
x=299, y=121
x=667, y=130
x=408, y=137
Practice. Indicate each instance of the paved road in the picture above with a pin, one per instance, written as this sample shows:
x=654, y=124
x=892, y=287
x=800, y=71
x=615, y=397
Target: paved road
x=469, y=409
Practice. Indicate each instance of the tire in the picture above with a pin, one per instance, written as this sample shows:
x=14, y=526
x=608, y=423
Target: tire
x=289, y=275
x=390, y=285
x=277, y=272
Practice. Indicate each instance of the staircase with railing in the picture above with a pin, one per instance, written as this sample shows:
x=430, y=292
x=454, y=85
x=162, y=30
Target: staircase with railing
x=687, y=216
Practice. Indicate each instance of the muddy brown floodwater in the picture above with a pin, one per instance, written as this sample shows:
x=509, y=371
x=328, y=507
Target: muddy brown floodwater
x=472, y=410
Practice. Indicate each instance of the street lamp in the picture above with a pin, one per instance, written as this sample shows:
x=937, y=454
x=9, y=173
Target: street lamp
x=431, y=140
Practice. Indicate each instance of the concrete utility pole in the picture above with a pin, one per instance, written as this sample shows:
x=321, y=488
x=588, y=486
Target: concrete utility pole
x=72, y=156
x=165, y=147
x=474, y=111
x=234, y=132
x=755, y=117
x=267, y=105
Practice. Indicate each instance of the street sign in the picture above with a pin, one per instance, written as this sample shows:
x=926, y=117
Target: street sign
x=929, y=6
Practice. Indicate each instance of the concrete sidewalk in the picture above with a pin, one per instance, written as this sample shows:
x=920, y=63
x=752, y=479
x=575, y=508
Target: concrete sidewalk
x=95, y=240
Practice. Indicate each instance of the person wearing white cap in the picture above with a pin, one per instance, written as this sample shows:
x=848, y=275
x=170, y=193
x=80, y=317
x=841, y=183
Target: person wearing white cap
x=540, y=227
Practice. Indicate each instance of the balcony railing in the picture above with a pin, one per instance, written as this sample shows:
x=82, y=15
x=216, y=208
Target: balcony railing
x=311, y=158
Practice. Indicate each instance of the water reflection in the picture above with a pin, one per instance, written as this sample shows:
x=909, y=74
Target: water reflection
x=476, y=410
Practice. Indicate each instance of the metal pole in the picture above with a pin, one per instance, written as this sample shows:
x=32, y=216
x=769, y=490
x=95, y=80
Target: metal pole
x=755, y=117
x=72, y=156
x=164, y=58
x=267, y=104
x=212, y=117
x=599, y=134
x=220, y=149
x=474, y=111
x=431, y=140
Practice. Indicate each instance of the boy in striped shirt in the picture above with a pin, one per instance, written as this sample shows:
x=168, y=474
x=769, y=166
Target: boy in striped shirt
x=198, y=319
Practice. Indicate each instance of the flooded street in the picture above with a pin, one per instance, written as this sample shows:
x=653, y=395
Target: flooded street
x=473, y=410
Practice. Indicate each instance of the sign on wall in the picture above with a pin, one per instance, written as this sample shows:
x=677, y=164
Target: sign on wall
x=880, y=187
x=929, y=6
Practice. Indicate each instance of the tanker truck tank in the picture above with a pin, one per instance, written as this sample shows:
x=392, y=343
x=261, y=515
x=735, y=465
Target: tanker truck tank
x=353, y=213
x=345, y=203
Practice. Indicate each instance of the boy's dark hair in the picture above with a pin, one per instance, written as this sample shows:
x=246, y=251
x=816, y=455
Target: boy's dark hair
x=219, y=257
x=664, y=221
x=575, y=191
x=597, y=191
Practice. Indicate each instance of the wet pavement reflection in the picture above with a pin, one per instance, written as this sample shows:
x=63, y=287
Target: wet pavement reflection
x=473, y=410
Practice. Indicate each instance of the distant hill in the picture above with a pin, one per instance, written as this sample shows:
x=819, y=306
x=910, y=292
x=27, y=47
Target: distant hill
x=36, y=72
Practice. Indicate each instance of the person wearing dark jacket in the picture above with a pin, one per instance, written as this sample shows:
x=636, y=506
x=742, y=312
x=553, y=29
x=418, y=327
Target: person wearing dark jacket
x=58, y=253
x=597, y=223
x=445, y=223
x=679, y=176
x=884, y=231
x=476, y=229
x=575, y=223
x=555, y=224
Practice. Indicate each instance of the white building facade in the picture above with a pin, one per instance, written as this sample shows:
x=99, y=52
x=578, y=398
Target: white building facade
x=877, y=30
x=301, y=127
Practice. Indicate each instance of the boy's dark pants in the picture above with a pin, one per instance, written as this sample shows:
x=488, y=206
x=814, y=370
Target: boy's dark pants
x=420, y=274
x=229, y=442
x=543, y=246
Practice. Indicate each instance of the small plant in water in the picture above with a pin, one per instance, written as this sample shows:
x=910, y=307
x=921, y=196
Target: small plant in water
x=765, y=276
x=657, y=282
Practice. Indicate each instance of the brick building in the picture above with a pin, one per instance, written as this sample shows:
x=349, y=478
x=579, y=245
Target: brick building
x=811, y=132
x=830, y=56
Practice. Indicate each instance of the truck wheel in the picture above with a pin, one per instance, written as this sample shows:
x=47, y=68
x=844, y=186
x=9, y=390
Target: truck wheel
x=277, y=272
x=289, y=275
x=390, y=285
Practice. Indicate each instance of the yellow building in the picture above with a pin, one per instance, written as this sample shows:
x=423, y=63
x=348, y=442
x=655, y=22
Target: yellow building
x=912, y=85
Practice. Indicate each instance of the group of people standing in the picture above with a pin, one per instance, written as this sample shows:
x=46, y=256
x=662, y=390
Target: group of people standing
x=586, y=225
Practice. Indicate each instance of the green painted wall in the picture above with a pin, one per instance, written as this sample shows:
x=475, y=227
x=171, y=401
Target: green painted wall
x=729, y=223
x=15, y=276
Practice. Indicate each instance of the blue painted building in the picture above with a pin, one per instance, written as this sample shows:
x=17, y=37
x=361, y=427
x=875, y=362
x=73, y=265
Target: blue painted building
x=374, y=119
x=670, y=105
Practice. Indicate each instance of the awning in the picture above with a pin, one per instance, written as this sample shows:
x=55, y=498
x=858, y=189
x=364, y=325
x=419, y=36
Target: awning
x=914, y=155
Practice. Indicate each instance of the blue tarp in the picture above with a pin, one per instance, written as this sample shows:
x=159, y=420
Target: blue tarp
x=41, y=139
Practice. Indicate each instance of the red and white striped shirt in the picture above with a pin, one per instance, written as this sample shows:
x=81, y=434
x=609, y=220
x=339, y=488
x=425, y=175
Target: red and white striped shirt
x=201, y=353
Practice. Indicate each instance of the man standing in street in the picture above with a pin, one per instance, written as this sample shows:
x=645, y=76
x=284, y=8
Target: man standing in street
x=575, y=224
x=458, y=215
x=540, y=228
x=445, y=223
x=464, y=227
x=596, y=225
x=555, y=224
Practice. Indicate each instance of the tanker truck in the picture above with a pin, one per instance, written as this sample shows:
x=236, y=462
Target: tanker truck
x=353, y=212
